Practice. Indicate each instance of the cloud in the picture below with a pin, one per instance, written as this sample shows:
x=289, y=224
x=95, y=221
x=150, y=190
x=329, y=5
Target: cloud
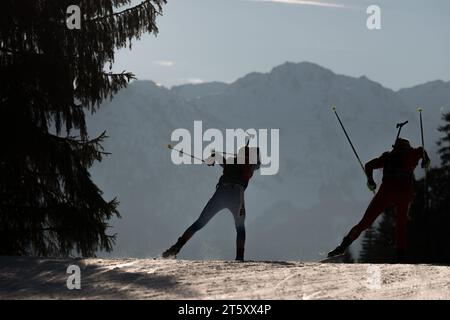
x=305, y=3
x=164, y=63
x=195, y=80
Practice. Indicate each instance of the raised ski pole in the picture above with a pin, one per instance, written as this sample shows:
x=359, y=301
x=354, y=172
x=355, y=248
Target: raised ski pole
x=423, y=157
x=224, y=153
x=248, y=137
x=247, y=142
x=350, y=141
x=182, y=152
x=399, y=126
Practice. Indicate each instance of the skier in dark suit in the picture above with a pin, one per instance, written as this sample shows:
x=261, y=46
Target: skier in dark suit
x=229, y=194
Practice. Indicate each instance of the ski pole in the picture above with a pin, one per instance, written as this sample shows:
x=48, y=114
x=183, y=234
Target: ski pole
x=248, y=138
x=350, y=141
x=399, y=126
x=224, y=153
x=421, y=131
x=423, y=157
x=182, y=152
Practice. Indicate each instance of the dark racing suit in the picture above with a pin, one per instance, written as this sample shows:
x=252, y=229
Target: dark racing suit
x=229, y=195
x=396, y=190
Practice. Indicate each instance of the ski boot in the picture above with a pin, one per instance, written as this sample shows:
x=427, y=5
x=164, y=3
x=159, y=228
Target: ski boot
x=173, y=250
x=340, y=249
x=240, y=254
x=240, y=246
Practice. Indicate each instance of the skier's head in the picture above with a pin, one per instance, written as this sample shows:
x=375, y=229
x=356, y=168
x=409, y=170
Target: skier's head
x=401, y=144
x=249, y=155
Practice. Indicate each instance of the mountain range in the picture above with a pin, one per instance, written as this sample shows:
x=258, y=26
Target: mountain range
x=298, y=214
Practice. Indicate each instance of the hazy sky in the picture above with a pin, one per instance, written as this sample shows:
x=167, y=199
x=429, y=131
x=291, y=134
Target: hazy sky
x=209, y=40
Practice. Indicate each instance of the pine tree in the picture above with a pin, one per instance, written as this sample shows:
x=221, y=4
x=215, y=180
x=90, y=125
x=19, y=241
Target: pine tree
x=385, y=240
x=366, y=254
x=428, y=235
x=444, y=142
x=441, y=195
x=49, y=77
x=441, y=190
x=348, y=257
x=378, y=245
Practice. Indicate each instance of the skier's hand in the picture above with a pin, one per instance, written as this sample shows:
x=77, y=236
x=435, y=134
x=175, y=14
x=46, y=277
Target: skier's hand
x=211, y=159
x=371, y=185
x=426, y=163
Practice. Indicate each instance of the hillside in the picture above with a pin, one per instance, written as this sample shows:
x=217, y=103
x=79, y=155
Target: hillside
x=35, y=278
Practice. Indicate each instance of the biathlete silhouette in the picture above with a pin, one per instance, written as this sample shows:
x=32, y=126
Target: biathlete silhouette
x=229, y=194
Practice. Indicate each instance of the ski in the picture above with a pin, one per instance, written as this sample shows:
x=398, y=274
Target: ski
x=332, y=259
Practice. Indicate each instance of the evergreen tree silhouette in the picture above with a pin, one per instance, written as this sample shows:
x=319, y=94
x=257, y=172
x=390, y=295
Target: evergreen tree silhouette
x=428, y=227
x=385, y=240
x=50, y=77
x=440, y=196
x=348, y=257
x=444, y=142
x=366, y=254
x=378, y=245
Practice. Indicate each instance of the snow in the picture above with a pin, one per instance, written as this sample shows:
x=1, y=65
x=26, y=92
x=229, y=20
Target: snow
x=39, y=278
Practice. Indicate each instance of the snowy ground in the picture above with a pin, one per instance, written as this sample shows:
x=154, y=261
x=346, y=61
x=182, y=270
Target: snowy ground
x=34, y=278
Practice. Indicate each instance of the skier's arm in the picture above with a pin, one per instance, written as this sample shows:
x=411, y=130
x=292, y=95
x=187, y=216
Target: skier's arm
x=376, y=163
x=373, y=164
x=230, y=160
x=222, y=164
x=258, y=161
x=211, y=160
x=258, y=164
x=422, y=154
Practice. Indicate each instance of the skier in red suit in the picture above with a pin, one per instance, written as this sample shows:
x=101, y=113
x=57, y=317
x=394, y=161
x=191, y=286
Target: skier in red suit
x=396, y=191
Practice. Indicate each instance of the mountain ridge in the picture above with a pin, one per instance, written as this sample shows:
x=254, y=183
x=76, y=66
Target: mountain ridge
x=290, y=64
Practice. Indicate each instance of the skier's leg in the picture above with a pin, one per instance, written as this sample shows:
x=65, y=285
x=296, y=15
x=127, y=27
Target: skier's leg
x=211, y=209
x=214, y=205
x=400, y=228
x=240, y=234
x=237, y=207
x=378, y=204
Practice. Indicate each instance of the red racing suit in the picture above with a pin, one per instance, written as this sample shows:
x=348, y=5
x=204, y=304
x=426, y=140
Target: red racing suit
x=396, y=190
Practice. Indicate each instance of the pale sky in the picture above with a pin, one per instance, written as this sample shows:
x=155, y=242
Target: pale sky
x=222, y=40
